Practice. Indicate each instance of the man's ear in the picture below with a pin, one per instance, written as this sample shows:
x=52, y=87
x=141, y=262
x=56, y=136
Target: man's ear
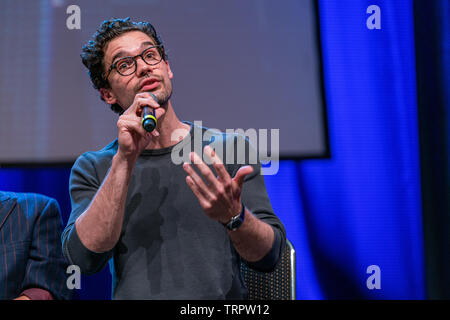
x=108, y=95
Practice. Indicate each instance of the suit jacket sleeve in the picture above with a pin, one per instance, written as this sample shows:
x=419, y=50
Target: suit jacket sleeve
x=46, y=266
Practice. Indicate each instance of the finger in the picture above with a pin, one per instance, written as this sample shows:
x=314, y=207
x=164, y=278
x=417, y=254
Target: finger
x=132, y=125
x=201, y=186
x=150, y=99
x=206, y=172
x=137, y=109
x=201, y=199
x=212, y=155
x=132, y=118
x=241, y=174
x=159, y=112
x=155, y=133
x=218, y=165
x=140, y=100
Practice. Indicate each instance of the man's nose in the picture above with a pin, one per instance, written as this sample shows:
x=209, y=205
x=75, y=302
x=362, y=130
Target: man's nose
x=142, y=68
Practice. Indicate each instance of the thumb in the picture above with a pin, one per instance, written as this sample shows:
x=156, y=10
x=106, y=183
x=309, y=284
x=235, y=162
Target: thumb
x=241, y=174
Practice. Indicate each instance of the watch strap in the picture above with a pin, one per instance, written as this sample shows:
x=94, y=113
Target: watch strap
x=236, y=221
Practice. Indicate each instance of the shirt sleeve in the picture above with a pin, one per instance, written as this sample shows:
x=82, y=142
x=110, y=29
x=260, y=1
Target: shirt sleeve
x=83, y=185
x=256, y=200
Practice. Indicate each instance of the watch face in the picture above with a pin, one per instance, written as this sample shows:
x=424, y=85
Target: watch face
x=235, y=223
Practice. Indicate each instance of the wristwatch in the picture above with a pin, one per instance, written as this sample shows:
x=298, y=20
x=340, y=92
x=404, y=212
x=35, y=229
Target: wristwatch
x=236, y=221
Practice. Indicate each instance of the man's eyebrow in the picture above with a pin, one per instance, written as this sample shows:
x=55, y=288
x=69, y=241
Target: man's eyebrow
x=121, y=54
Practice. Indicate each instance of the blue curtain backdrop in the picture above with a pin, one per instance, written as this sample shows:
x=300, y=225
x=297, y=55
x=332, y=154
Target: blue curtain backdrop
x=362, y=206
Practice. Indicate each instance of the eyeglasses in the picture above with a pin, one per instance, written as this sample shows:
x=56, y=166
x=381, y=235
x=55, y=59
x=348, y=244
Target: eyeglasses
x=128, y=65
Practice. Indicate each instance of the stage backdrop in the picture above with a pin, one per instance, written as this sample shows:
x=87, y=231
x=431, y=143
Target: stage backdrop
x=237, y=64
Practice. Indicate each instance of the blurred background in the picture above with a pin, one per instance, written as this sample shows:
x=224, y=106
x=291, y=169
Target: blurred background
x=359, y=90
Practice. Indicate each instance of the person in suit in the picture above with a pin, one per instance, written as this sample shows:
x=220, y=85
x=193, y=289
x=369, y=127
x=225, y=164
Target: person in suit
x=32, y=266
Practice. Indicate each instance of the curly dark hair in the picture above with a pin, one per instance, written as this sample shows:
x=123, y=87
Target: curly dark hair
x=92, y=53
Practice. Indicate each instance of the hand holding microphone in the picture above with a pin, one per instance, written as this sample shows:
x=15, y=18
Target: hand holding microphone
x=133, y=136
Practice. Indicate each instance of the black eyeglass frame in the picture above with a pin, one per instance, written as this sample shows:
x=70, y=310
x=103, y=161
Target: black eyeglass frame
x=114, y=65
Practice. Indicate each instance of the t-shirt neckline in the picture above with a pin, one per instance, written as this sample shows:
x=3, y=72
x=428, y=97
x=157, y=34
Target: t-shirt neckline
x=153, y=152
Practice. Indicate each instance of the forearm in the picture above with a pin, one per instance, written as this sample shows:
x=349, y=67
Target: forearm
x=99, y=226
x=254, y=238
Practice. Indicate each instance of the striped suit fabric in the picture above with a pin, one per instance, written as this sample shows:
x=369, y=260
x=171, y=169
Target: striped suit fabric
x=30, y=245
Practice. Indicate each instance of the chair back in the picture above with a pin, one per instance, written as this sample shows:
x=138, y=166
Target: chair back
x=278, y=284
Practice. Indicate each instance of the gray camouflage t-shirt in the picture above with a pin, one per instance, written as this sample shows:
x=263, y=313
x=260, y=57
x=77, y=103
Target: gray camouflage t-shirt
x=168, y=248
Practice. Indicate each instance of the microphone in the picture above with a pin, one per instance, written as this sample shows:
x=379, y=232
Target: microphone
x=148, y=117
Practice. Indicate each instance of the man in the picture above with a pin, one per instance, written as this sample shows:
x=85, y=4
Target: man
x=32, y=264
x=167, y=227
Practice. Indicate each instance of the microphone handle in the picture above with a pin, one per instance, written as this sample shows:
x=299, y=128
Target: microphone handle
x=148, y=119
